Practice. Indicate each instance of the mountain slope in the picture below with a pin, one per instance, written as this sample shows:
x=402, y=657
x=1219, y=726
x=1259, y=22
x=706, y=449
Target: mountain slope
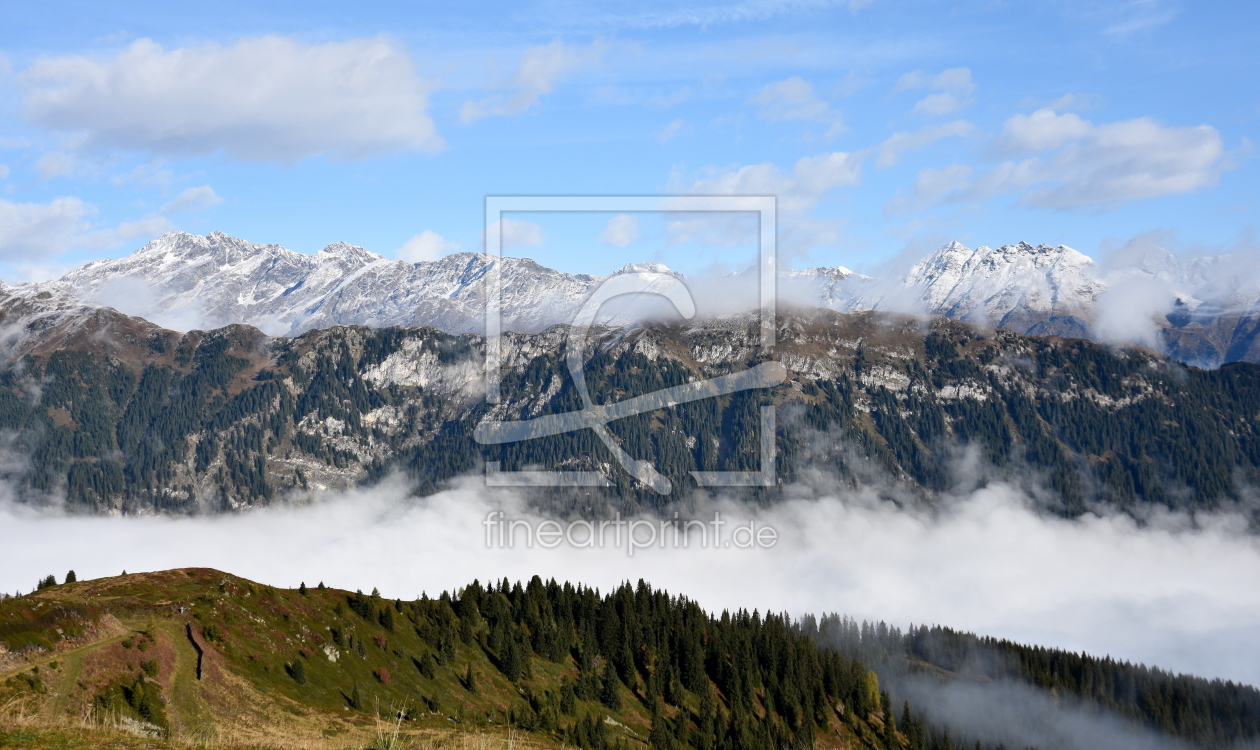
x=230, y=419
x=198, y=654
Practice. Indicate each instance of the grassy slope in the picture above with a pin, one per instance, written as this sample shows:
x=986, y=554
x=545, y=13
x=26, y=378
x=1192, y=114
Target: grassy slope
x=99, y=644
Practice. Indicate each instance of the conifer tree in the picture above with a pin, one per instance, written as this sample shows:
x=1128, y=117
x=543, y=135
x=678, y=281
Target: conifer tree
x=510, y=659
x=71, y=577
x=706, y=722
x=609, y=695
x=302, y=588
x=297, y=670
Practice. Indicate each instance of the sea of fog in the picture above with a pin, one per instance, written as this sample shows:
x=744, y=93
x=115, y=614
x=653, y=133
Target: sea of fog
x=1183, y=596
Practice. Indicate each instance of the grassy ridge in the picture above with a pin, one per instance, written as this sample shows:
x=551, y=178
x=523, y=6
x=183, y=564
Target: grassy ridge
x=552, y=664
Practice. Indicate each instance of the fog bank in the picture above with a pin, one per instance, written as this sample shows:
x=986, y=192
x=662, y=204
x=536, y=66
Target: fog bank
x=1181, y=597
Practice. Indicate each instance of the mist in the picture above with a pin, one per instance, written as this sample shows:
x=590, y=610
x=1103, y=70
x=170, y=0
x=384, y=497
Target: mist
x=1183, y=596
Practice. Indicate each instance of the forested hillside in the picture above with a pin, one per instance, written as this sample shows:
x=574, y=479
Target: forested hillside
x=1208, y=713
x=228, y=419
x=200, y=653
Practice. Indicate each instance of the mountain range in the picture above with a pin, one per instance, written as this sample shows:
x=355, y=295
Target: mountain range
x=113, y=414
x=1205, y=312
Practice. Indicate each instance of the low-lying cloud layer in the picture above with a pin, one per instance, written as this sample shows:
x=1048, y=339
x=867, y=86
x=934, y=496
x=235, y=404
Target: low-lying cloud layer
x=1183, y=597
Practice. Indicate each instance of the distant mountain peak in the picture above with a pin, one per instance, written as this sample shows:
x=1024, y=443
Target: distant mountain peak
x=185, y=281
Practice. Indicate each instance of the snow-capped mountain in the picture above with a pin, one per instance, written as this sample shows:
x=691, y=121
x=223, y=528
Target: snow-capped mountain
x=186, y=281
x=1040, y=290
x=1204, y=312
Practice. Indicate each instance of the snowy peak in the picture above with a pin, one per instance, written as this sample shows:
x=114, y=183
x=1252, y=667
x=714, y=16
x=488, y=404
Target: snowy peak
x=647, y=267
x=990, y=285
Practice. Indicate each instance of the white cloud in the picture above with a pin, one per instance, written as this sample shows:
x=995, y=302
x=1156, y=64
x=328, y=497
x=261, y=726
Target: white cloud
x=620, y=231
x=426, y=246
x=539, y=70
x=193, y=199
x=898, y=143
x=4, y=171
x=669, y=131
x=930, y=183
x=515, y=234
x=1185, y=597
x=1136, y=16
x=953, y=80
x=149, y=173
x=1083, y=164
x=262, y=99
x=1043, y=130
x=797, y=192
x=938, y=104
x=28, y=229
x=953, y=86
x=38, y=230
x=795, y=99
x=55, y=164
x=1131, y=160
x=104, y=239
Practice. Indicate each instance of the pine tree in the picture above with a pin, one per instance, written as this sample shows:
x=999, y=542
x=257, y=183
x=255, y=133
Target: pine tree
x=660, y=737
x=302, y=588
x=510, y=659
x=706, y=721
x=470, y=680
x=71, y=577
x=297, y=670
x=609, y=695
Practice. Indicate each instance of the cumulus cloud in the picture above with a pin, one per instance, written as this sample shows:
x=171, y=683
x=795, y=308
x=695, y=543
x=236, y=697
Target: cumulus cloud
x=103, y=239
x=42, y=229
x=193, y=199
x=620, y=231
x=1043, y=130
x=1073, y=163
x=952, y=88
x=795, y=99
x=56, y=164
x=537, y=73
x=797, y=191
x=514, y=233
x=1185, y=597
x=1131, y=160
x=31, y=228
x=897, y=144
x=426, y=246
x=262, y=99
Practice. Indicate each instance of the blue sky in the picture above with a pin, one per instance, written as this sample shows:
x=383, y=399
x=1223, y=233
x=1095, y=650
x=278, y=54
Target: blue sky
x=886, y=128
